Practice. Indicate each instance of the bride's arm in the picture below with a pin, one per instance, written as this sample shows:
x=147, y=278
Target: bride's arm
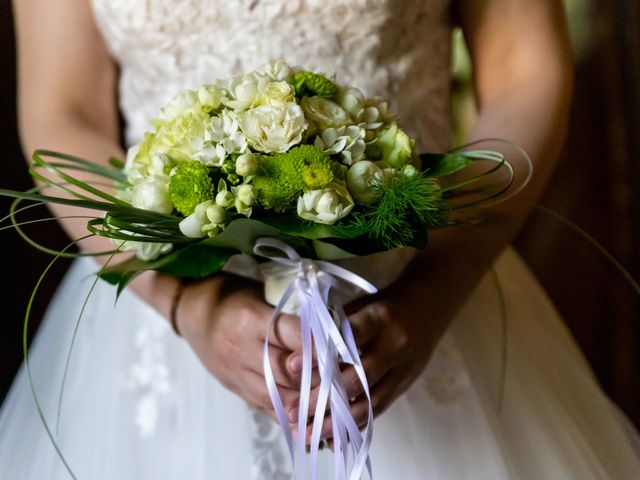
x=67, y=102
x=523, y=77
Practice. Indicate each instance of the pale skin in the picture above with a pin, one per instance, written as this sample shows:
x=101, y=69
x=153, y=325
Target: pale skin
x=523, y=78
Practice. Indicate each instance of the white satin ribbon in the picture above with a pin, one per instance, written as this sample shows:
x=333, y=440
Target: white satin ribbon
x=324, y=323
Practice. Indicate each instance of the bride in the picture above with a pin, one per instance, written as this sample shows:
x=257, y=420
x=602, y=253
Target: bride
x=144, y=402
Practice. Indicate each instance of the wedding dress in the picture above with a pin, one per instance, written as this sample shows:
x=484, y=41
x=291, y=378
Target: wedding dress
x=139, y=405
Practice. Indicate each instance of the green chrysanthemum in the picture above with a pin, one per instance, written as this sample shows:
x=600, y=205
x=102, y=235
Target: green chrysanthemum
x=283, y=177
x=313, y=164
x=189, y=186
x=313, y=84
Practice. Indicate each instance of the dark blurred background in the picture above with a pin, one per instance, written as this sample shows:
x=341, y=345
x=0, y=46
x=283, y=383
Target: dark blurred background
x=594, y=187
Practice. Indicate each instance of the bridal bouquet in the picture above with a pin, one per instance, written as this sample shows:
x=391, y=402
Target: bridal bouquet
x=290, y=177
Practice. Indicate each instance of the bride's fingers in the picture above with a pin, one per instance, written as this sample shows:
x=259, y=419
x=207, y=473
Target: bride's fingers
x=285, y=333
x=278, y=360
x=382, y=356
x=365, y=324
x=253, y=390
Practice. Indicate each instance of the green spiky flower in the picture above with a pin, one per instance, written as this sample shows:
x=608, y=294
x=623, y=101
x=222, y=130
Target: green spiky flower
x=313, y=84
x=189, y=186
x=283, y=177
x=405, y=203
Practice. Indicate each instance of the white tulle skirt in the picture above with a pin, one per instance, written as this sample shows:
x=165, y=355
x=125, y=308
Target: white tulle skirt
x=138, y=405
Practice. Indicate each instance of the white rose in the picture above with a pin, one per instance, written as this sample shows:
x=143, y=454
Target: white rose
x=146, y=251
x=181, y=103
x=246, y=164
x=277, y=93
x=273, y=128
x=244, y=90
x=210, y=97
x=152, y=194
x=359, y=179
x=327, y=205
x=324, y=113
x=277, y=71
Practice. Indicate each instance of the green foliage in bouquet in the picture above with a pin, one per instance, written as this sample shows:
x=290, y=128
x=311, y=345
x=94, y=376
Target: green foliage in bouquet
x=273, y=153
x=312, y=84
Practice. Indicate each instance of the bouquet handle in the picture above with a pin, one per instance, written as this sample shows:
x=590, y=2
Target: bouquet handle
x=311, y=289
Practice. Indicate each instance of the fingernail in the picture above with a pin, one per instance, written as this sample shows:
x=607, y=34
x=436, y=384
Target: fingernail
x=296, y=364
x=293, y=415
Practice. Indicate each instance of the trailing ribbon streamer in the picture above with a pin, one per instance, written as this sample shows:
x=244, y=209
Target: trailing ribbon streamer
x=323, y=322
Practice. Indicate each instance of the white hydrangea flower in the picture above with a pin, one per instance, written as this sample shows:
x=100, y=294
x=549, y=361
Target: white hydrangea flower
x=243, y=91
x=145, y=160
x=327, y=205
x=346, y=141
x=359, y=179
x=207, y=219
x=273, y=128
x=152, y=194
x=324, y=113
x=277, y=71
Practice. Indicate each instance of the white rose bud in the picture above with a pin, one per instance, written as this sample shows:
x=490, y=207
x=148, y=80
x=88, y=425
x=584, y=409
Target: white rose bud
x=225, y=199
x=327, y=205
x=277, y=71
x=359, y=179
x=273, y=128
x=324, y=113
x=246, y=194
x=152, y=195
x=277, y=93
x=216, y=214
x=246, y=164
x=210, y=96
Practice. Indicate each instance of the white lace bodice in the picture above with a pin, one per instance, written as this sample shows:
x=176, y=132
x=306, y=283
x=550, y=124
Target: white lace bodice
x=398, y=49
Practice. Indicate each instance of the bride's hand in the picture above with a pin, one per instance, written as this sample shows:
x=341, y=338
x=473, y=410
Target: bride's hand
x=396, y=335
x=224, y=319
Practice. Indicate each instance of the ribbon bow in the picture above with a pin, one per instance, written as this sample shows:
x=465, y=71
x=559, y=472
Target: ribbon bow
x=324, y=323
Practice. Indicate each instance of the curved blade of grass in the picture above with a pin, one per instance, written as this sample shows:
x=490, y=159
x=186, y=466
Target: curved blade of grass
x=25, y=350
x=505, y=339
x=595, y=244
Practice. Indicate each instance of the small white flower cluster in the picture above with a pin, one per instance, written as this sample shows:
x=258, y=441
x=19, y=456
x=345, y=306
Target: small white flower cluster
x=230, y=125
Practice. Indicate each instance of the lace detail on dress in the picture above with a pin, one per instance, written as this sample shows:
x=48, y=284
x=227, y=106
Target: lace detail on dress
x=445, y=378
x=149, y=377
x=269, y=458
x=398, y=49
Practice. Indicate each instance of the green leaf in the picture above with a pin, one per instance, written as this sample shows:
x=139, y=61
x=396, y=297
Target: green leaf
x=441, y=164
x=241, y=235
x=295, y=226
x=329, y=252
x=198, y=260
